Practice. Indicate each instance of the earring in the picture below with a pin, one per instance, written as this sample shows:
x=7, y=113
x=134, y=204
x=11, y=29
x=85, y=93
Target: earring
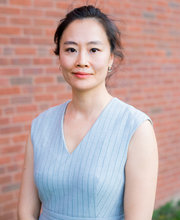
x=109, y=68
x=60, y=68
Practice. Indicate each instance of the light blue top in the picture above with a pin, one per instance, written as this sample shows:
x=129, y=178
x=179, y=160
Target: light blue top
x=88, y=183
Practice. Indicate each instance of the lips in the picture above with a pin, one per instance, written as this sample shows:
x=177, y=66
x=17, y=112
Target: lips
x=81, y=73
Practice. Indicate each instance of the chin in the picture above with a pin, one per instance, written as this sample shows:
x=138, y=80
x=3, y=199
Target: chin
x=85, y=88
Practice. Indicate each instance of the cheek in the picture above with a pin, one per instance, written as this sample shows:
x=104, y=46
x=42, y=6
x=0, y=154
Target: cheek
x=102, y=61
x=66, y=62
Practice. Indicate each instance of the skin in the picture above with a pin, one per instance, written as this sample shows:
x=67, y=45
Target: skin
x=141, y=174
x=90, y=54
x=84, y=47
x=29, y=204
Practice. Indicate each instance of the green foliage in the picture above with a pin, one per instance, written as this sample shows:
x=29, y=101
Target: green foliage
x=169, y=211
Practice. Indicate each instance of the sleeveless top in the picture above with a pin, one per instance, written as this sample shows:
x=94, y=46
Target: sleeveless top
x=88, y=183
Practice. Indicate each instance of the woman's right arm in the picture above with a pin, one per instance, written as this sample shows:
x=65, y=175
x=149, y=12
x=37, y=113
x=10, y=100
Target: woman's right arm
x=29, y=204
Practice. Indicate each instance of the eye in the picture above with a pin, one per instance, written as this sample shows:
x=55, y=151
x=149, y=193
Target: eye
x=71, y=50
x=94, y=50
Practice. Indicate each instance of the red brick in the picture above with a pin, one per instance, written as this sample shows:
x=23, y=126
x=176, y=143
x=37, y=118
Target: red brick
x=34, y=90
x=44, y=3
x=10, y=30
x=4, y=82
x=4, y=140
x=27, y=127
x=53, y=70
x=24, y=51
x=2, y=171
x=22, y=118
x=20, y=2
x=10, y=206
x=26, y=108
x=42, y=41
x=9, y=71
x=43, y=107
x=3, y=20
x=56, y=88
x=32, y=12
x=13, y=168
x=20, y=21
x=43, y=98
x=44, y=22
x=9, y=91
x=47, y=79
x=32, y=71
x=3, y=1
x=20, y=138
x=162, y=16
x=44, y=61
x=21, y=61
x=62, y=5
x=9, y=10
x=8, y=110
x=4, y=61
x=63, y=97
x=20, y=40
x=4, y=101
x=11, y=149
x=18, y=176
x=4, y=121
x=21, y=81
x=8, y=51
x=50, y=32
x=4, y=41
x=8, y=215
x=4, y=160
x=53, y=13
x=33, y=31
x=16, y=194
x=10, y=130
x=6, y=197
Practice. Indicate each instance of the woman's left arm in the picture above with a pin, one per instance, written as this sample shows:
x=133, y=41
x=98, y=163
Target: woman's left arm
x=141, y=174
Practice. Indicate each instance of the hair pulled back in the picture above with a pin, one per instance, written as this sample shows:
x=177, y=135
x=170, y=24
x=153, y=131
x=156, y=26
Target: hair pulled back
x=90, y=11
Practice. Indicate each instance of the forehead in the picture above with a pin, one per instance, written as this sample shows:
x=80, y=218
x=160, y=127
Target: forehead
x=85, y=30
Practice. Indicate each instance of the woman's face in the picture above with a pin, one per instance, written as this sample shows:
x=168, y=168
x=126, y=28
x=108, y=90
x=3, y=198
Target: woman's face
x=85, y=54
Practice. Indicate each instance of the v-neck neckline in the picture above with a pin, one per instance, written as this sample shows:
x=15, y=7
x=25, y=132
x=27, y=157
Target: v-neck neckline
x=92, y=126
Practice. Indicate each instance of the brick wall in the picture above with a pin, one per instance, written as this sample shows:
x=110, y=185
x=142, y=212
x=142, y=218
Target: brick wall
x=30, y=80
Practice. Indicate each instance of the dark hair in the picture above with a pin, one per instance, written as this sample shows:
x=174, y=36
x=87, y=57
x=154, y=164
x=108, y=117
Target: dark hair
x=90, y=11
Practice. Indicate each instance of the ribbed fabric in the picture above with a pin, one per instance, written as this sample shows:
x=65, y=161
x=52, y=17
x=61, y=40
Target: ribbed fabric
x=89, y=182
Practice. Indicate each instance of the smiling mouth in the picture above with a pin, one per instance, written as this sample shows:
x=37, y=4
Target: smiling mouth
x=82, y=75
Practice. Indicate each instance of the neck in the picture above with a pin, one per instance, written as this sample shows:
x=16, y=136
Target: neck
x=89, y=102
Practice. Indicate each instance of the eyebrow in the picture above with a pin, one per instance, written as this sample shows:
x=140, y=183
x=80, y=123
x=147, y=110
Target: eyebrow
x=90, y=42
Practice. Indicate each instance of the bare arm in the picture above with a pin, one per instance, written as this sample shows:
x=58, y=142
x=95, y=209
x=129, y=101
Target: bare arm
x=29, y=204
x=141, y=174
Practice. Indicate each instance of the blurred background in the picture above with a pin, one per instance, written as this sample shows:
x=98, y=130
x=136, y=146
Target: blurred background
x=30, y=80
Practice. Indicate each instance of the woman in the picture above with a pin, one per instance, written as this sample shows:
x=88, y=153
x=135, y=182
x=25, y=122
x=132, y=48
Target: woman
x=95, y=156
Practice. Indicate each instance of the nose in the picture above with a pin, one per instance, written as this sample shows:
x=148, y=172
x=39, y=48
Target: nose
x=82, y=59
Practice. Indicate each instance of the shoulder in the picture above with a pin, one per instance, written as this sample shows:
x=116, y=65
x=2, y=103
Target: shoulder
x=47, y=117
x=142, y=139
x=143, y=142
x=141, y=171
x=133, y=115
x=50, y=112
x=142, y=136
